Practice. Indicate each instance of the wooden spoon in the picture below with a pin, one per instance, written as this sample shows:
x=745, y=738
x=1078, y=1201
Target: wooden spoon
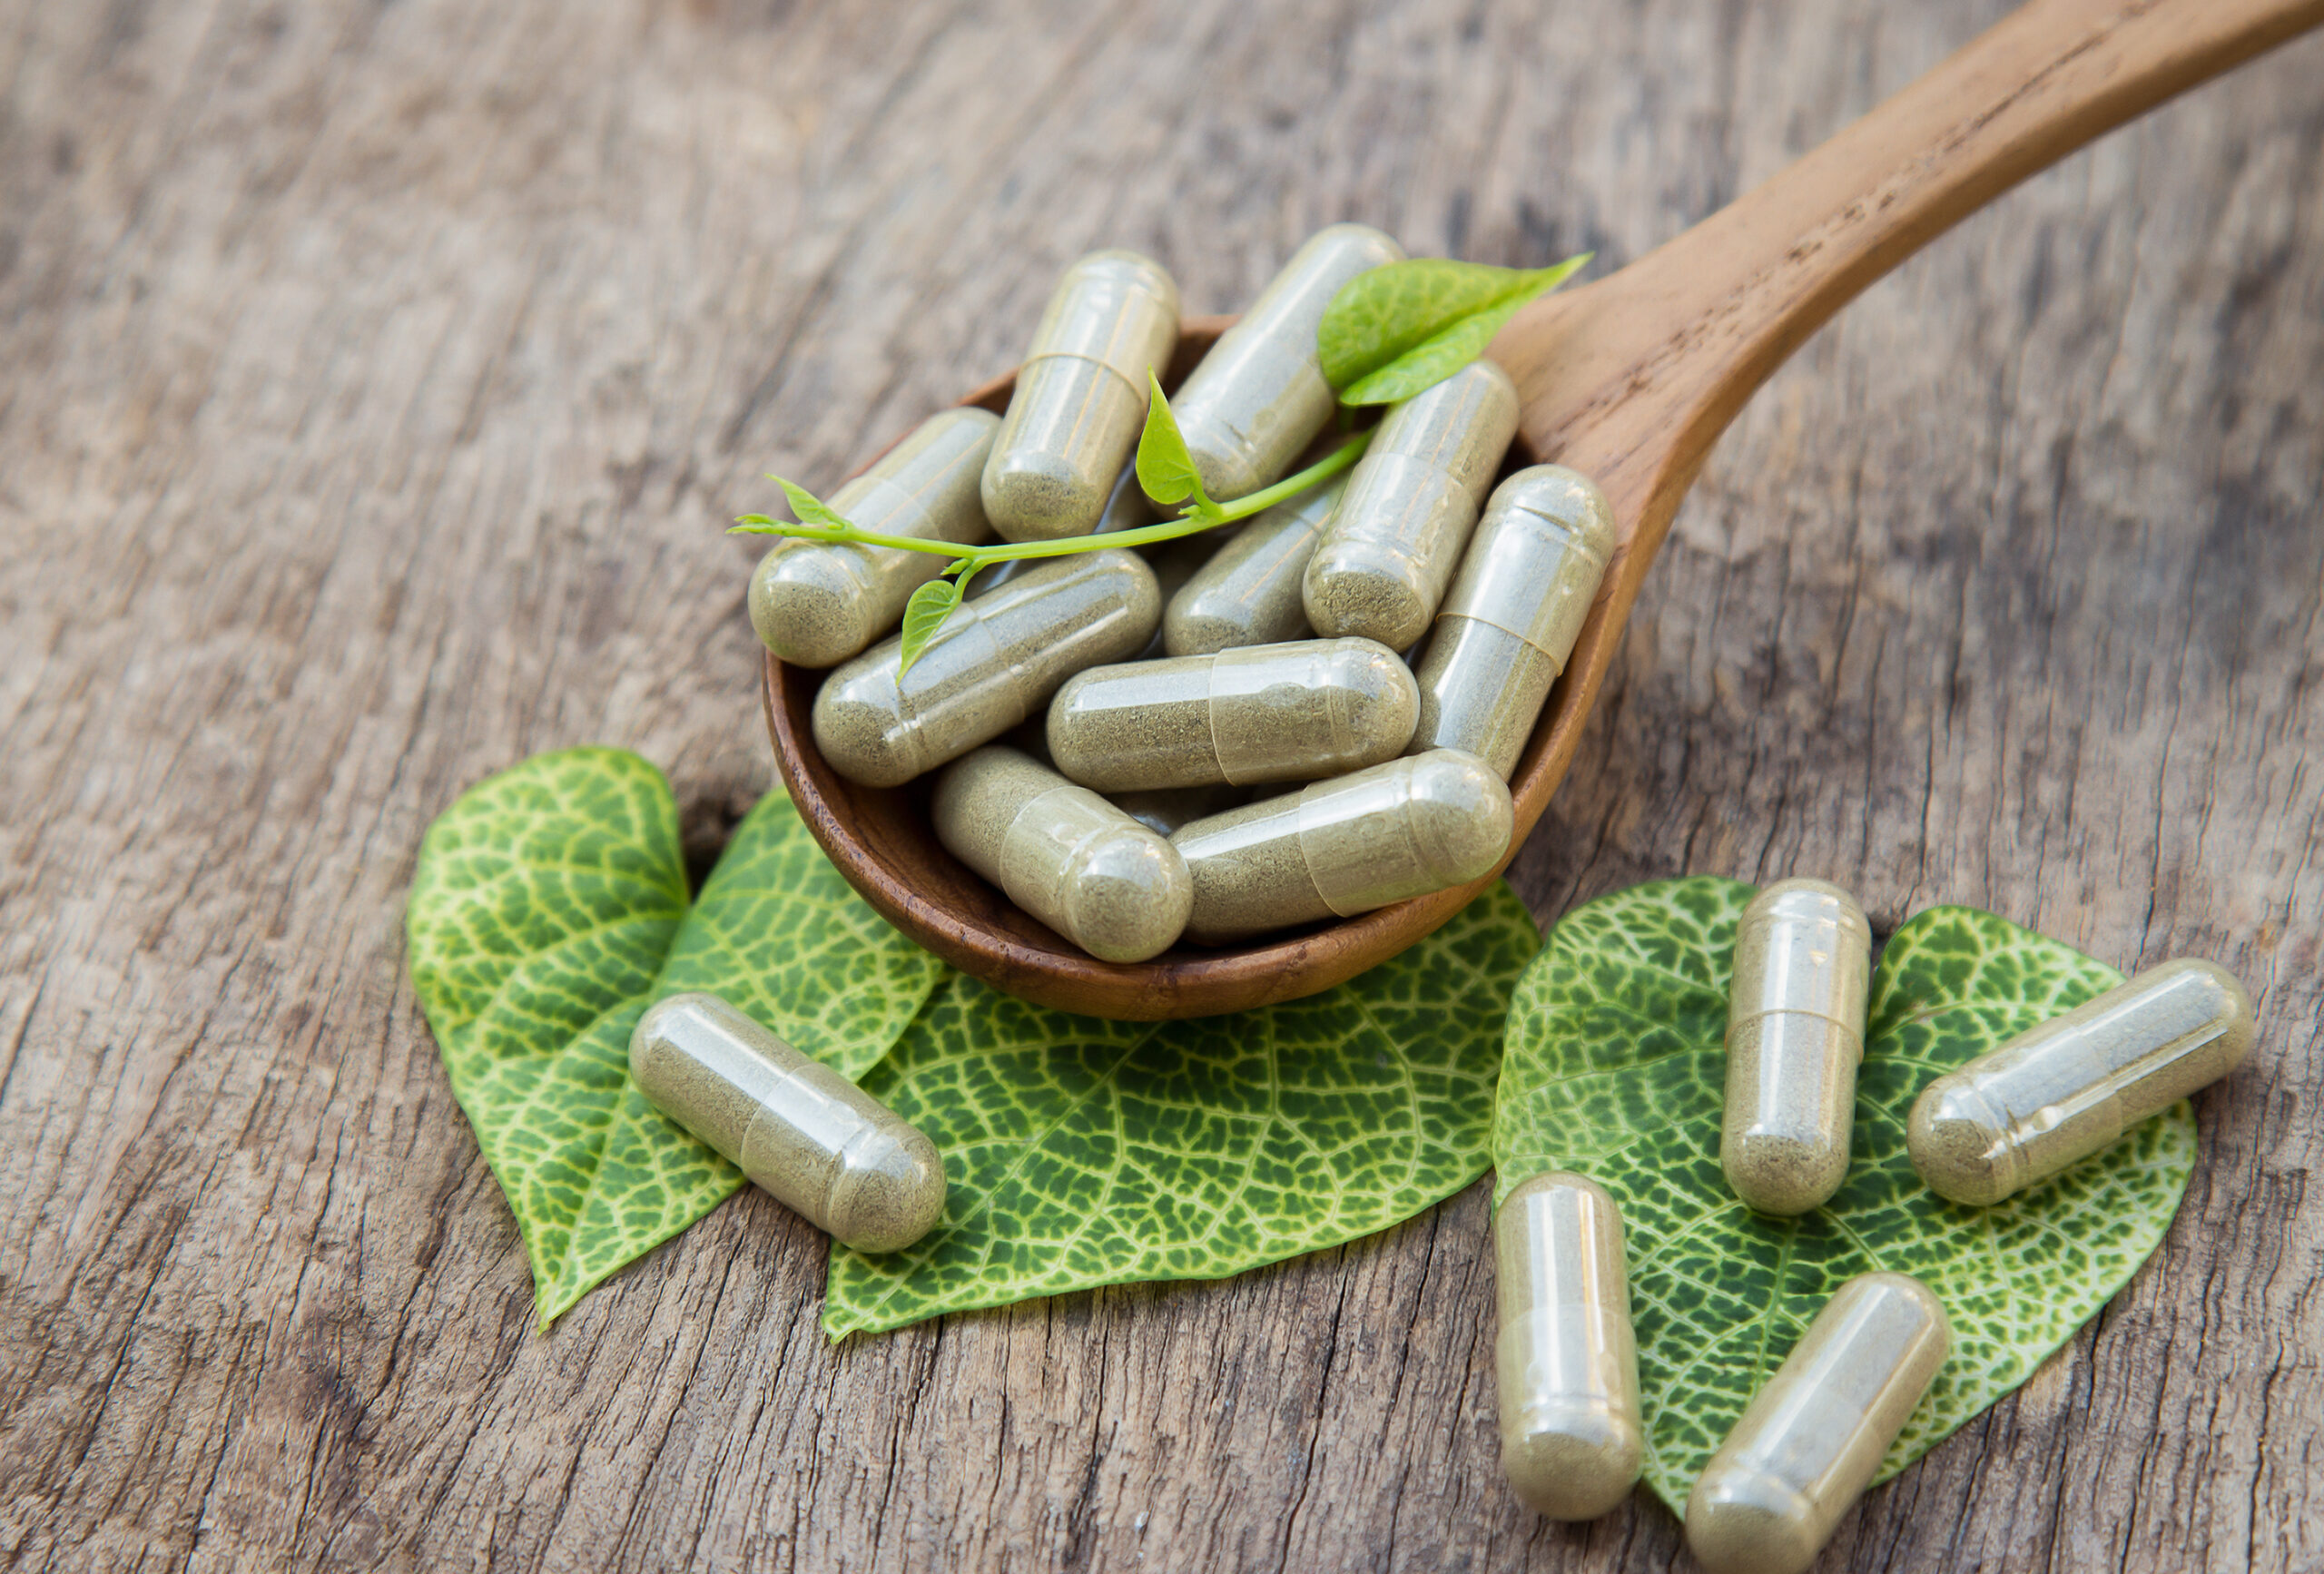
x=1629, y=379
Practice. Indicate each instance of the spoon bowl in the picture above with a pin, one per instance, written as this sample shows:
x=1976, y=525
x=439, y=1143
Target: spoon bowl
x=1629, y=379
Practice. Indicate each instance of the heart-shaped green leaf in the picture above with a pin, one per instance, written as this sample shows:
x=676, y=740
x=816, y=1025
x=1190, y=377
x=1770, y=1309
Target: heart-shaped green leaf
x=1392, y=331
x=1082, y=1153
x=549, y=907
x=1616, y=1069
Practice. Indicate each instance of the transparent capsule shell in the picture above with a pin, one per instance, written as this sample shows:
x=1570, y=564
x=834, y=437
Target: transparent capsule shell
x=1064, y=854
x=1396, y=538
x=1080, y=403
x=1346, y=846
x=1795, y=1036
x=996, y=661
x=1251, y=591
x=820, y=1144
x=1813, y=1437
x=1247, y=716
x=1515, y=609
x=1259, y=396
x=1572, y=1441
x=2071, y=1087
x=1126, y=508
x=817, y=603
x=1164, y=811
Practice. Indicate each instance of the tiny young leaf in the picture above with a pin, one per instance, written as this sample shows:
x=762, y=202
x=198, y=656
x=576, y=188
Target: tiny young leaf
x=1395, y=331
x=1165, y=470
x=810, y=508
x=925, y=613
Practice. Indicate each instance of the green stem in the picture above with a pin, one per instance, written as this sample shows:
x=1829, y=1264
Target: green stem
x=977, y=557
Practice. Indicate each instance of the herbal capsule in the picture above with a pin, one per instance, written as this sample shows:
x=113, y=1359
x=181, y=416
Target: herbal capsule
x=1175, y=562
x=1126, y=509
x=1812, y=1439
x=821, y=1144
x=1249, y=593
x=1259, y=396
x=2073, y=1084
x=1571, y=1440
x=1346, y=846
x=997, y=659
x=1397, y=537
x=817, y=603
x=1064, y=854
x=1794, y=1033
x=1503, y=633
x=1080, y=397
x=1163, y=810
x=1256, y=714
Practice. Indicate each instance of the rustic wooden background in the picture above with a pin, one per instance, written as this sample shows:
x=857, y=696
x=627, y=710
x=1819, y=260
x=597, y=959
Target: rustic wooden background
x=374, y=380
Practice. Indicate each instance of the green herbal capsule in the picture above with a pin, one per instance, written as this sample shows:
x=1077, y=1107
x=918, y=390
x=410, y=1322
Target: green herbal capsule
x=1126, y=509
x=1259, y=396
x=1503, y=633
x=1163, y=810
x=816, y=1141
x=2059, y=1093
x=1346, y=846
x=996, y=660
x=1249, y=593
x=1812, y=1439
x=1064, y=854
x=817, y=603
x=1397, y=537
x=1254, y=714
x=1571, y=1440
x=1794, y=1035
x=1080, y=397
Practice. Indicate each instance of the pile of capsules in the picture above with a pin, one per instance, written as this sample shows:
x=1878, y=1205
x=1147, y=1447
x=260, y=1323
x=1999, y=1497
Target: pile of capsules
x=1573, y=1435
x=1259, y=657
x=1572, y=1438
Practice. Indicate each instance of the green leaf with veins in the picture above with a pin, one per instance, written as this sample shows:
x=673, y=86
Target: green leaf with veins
x=924, y=615
x=548, y=909
x=1083, y=1152
x=1616, y=1069
x=1165, y=469
x=811, y=509
x=1396, y=329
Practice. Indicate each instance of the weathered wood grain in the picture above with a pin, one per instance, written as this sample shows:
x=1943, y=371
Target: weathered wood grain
x=372, y=382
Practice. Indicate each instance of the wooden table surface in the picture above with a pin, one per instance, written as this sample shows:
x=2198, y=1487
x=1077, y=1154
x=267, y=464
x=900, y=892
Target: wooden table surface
x=374, y=381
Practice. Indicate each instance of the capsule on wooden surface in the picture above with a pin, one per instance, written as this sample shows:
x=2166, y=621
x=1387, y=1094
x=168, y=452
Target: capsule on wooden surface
x=1346, y=846
x=1397, y=537
x=816, y=1141
x=1259, y=396
x=995, y=661
x=1164, y=809
x=1249, y=593
x=1571, y=1440
x=1064, y=854
x=1254, y=714
x=1812, y=1439
x=817, y=603
x=2070, y=1087
x=1080, y=397
x=1503, y=633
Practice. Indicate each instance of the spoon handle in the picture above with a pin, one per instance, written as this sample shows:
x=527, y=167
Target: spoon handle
x=1682, y=337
